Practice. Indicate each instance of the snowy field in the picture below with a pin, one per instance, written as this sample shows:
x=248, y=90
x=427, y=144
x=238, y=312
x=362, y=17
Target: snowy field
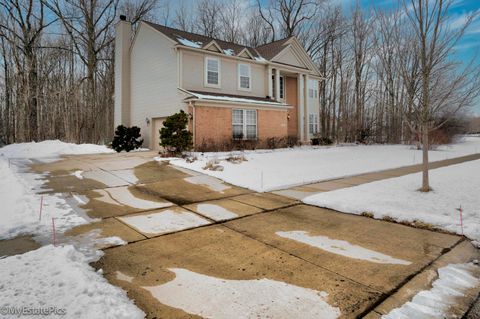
x=267, y=170
x=55, y=280
x=453, y=186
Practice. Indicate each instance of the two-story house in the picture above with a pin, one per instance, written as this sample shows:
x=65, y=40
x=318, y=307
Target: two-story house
x=228, y=90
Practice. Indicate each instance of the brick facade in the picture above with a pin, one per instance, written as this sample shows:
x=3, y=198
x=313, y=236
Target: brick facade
x=213, y=126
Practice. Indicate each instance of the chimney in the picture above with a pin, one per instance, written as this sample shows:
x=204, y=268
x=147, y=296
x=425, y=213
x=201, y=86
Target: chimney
x=123, y=31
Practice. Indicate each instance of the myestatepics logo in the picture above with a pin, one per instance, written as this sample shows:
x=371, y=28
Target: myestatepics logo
x=32, y=311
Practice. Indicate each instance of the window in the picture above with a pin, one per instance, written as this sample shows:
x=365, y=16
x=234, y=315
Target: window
x=212, y=72
x=244, y=77
x=244, y=124
x=310, y=93
x=313, y=123
x=282, y=86
x=316, y=93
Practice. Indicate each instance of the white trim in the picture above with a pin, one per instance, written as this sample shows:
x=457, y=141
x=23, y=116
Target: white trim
x=215, y=44
x=239, y=86
x=246, y=51
x=245, y=124
x=205, y=72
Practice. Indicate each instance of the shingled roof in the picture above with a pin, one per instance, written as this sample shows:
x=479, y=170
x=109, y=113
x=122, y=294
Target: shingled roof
x=270, y=50
x=266, y=51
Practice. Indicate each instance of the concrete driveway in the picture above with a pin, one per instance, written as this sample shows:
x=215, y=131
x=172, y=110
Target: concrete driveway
x=200, y=247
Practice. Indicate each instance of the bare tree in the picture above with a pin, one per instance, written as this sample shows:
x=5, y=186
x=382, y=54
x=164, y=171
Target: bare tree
x=208, y=18
x=444, y=88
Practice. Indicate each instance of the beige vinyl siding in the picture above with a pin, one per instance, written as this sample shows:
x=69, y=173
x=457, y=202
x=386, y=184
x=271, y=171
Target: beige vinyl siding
x=193, y=75
x=313, y=102
x=289, y=57
x=154, y=80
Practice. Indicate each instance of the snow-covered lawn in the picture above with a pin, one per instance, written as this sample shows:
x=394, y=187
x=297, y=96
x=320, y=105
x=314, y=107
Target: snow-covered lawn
x=453, y=186
x=20, y=213
x=60, y=281
x=267, y=170
x=51, y=280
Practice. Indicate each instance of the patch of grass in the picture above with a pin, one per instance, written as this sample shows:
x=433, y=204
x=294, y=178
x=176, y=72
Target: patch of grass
x=367, y=214
x=389, y=219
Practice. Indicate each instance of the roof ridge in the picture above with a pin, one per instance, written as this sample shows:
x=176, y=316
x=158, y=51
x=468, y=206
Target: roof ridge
x=201, y=35
x=283, y=39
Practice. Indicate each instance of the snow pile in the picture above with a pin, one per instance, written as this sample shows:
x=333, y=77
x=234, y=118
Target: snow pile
x=267, y=170
x=453, y=186
x=60, y=277
x=50, y=148
x=20, y=213
x=212, y=297
x=341, y=247
x=453, y=280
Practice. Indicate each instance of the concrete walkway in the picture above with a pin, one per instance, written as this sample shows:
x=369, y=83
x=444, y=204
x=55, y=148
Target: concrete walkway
x=300, y=192
x=180, y=224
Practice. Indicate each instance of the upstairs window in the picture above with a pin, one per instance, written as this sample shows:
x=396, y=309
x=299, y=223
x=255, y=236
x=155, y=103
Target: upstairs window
x=244, y=77
x=244, y=124
x=212, y=72
x=310, y=93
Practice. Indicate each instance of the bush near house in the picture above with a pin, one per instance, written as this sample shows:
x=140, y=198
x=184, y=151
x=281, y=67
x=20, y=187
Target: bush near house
x=126, y=138
x=174, y=136
x=321, y=140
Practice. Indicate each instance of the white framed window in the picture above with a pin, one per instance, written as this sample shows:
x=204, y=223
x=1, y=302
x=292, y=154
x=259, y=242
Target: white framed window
x=313, y=123
x=316, y=93
x=310, y=93
x=282, y=86
x=244, y=77
x=212, y=72
x=244, y=124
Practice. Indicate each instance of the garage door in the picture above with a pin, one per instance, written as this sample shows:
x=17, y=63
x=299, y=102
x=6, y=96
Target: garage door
x=157, y=125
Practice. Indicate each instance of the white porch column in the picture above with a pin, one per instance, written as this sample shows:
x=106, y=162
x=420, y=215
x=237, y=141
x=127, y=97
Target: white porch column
x=277, y=84
x=305, y=112
x=300, y=106
x=269, y=82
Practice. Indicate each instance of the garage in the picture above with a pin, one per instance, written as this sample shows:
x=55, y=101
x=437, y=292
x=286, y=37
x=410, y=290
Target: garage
x=157, y=125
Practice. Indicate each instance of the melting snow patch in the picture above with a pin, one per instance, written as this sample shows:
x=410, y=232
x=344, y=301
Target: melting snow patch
x=213, y=183
x=61, y=277
x=122, y=276
x=189, y=43
x=78, y=174
x=341, y=247
x=213, y=297
x=164, y=222
x=228, y=51
x=453, y=280
x=215, y=212
x=123, y=196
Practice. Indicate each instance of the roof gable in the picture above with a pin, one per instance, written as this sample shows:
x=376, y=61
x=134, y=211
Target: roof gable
x=288, y=56
x=212, y=46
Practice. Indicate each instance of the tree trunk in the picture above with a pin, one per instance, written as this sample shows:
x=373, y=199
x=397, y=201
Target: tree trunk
x=425, y=181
